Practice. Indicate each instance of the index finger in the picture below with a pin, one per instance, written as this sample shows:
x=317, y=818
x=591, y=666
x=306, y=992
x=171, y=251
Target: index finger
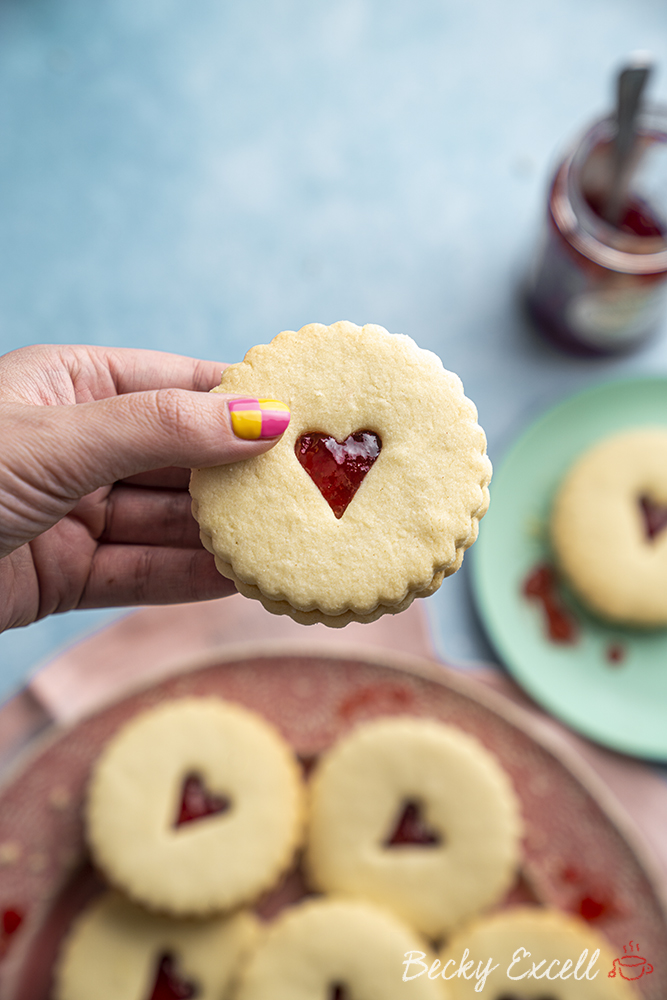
x=136, y=370
x=48, y=374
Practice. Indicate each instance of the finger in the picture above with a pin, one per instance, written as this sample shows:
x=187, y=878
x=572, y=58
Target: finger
x=77, y=449
x=81, y=373
x=141, y=516
x=137, y=370
x=168, y=479
x=128, y=575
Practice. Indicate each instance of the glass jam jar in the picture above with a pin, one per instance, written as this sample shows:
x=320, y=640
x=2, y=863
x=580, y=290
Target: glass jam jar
x=595, y=287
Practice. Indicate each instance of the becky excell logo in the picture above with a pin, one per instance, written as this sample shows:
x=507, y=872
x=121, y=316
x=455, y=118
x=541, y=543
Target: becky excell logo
x=630, y=965
x=521, y=967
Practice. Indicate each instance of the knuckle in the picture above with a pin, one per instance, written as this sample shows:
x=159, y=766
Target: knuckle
x=177, y=412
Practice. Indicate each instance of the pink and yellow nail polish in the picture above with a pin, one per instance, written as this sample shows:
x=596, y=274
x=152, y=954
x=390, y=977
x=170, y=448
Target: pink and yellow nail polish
x=258, y=418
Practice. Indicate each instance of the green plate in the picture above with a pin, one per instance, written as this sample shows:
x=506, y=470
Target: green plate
x=624, y=704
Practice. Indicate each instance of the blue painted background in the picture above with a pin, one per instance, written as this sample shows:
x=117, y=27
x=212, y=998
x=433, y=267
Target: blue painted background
x=198, y=176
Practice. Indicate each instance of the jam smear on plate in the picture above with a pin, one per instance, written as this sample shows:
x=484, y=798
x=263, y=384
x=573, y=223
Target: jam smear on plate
x=615, y=653
x=391, y=697
x=412, y=829
x=542, y=585
x=11, y=920
x=592, y=909
x=169, y=985
x=589, y=903
x=197, y=802
x=336, y=468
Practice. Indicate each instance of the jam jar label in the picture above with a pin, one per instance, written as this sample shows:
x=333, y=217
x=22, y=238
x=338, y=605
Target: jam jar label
x=614, y=316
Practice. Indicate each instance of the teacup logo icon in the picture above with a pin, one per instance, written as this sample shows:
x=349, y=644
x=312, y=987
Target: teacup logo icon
x=631, y=965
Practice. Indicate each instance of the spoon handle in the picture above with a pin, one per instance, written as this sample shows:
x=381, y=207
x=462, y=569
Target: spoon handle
x=631, y=82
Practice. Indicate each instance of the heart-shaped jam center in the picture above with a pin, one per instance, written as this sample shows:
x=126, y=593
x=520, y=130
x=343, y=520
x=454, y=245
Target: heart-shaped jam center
x=169, y=985
x=654, y=515
x=411, y=828
x=338, y=468
x=537, y=996
x=197, y=802
x=338, y=991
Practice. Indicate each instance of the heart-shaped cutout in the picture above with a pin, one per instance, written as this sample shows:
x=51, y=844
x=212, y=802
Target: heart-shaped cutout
x=338, y=991
x=538, y=996
x=338, y=468
x=411, y=829
x=169, y=985
x=197, y=802
x=654, y=515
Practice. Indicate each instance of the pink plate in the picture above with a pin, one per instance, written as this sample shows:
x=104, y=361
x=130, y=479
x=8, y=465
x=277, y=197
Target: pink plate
x=575, y=856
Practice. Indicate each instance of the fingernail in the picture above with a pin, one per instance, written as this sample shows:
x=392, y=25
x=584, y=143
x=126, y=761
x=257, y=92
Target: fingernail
x=258, y=418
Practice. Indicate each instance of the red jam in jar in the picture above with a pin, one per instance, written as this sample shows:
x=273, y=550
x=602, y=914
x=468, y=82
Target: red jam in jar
x=598, y=288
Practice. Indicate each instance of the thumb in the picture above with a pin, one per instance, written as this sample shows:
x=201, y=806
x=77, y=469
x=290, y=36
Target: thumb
x=88, y=445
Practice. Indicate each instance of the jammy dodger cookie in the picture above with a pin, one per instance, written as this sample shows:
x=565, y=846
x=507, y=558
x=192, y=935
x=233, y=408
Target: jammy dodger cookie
x=416, y=816
x=195, y=806
x=336, y=948
x=374, y=491
x=608, y=524
x=524, y=938
x=117, y=951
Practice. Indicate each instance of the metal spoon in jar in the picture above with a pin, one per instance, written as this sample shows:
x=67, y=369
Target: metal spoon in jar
x=630, y=85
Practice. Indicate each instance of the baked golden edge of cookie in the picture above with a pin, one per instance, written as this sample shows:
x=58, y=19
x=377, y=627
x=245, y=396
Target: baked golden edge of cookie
x=315, y=616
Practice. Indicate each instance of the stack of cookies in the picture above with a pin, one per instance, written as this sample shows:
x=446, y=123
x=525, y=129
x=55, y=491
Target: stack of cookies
x=405, y=833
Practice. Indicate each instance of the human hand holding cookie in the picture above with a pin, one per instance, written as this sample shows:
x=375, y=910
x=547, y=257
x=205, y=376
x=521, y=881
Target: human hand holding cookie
x=369, y=501
x=97, y=446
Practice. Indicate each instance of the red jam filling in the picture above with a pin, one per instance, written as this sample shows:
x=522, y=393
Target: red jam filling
x=169, y=985
x=338, y=469
x=654, y=516
x=542, y=585
x=338, y=992
x=540, y=996
x=197, y=802
x=412, y=829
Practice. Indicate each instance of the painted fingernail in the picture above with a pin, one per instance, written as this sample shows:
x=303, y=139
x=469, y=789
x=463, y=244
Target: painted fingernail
x=258, y=418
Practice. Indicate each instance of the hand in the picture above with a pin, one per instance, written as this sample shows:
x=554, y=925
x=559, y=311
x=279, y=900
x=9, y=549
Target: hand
x=96, y=447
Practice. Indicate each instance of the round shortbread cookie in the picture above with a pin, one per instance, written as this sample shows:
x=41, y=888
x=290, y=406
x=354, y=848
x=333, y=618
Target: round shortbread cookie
x=218, y=861
x=553, y=940
x=359, y=794
x=599, y=531
x=415, y=512
x=336, y=948
x=116, y=951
